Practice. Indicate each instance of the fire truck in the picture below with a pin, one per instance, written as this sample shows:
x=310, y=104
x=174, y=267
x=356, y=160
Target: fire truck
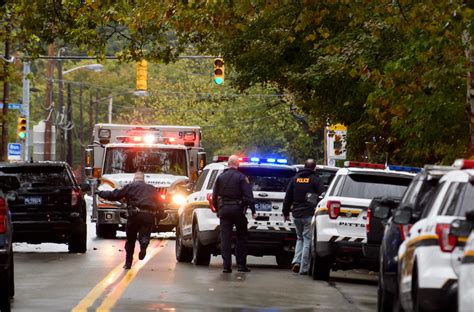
x=169, y=156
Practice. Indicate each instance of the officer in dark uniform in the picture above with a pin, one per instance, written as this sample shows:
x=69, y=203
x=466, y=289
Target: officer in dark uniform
x=142, y=207
x=301, y=197
x=232, y=195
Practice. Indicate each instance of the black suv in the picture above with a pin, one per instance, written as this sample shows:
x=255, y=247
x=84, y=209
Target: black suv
x=7, y=289
x=416, y=198
x=49, y=205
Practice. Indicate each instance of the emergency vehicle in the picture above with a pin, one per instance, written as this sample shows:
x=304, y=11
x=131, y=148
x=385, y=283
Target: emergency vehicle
x=466, y=273
x=430, y=256
x=169, y=156
x=339, y=222
x=198, y=233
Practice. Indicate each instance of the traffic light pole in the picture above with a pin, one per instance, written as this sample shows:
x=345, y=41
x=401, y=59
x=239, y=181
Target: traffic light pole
x=26, y=107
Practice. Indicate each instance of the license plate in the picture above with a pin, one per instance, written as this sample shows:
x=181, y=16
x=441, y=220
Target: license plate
x=263, y=206
x=33, y=201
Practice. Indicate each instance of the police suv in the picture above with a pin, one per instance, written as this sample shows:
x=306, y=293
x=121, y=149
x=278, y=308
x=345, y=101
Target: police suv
x=198, y=231
x=466, y=273
x=430, y=256
x=339, y=222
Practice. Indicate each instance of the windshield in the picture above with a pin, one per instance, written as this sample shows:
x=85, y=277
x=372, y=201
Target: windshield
x=268, y=179
x=38, y=176
x=147, y=160
x=370, y=186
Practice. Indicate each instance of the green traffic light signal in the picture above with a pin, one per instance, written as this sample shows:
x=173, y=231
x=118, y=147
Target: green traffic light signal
x=219, y=71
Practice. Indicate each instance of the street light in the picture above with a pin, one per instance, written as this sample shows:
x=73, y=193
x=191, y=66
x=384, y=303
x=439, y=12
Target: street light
x=92, y=67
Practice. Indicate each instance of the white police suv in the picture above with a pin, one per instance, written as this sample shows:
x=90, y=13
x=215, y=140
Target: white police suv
x=466, y=272
x=198, y=232
x=430, y=256
x=340, y=218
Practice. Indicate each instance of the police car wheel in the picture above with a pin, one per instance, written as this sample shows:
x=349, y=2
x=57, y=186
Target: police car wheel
x=384, y=298
x=415, y=291
x=78, y=240
x=201, y=253
x=321, y=268
x=183, y=253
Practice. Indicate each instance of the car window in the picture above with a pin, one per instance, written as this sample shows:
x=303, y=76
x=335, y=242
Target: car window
x=200, y=181
x=212, y=179
x=336, y=186
x=369, y=186
x=466, y=202
x=450, y=200
x=409, y=198
x=434, y=198
x=40, y=176
x=268, y=179
x=325, y=176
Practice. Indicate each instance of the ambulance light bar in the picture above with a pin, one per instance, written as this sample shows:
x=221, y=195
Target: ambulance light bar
x=358, y=164
x=404, y=168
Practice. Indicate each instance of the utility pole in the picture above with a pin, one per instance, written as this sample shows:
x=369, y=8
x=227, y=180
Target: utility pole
x=97, y=106
x=61, y=124
x=26, y=106
x=69, y=125
x=49, y=101
x=6, y=91
x=81, y=134
x=91, y=114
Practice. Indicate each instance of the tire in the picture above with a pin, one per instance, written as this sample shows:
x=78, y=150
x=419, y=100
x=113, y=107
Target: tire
x=78, y=240
x=183, y=253
x=4, y=290
x=321, y=266
x=11, y=276
x=283, y=259
x=201, y=253
x=414, y=292
x=384, y=298
x=106, y=230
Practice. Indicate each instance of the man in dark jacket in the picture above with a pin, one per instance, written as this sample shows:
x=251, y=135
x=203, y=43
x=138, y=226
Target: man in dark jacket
x=142, y=207
x=299, y=197
x=232, y=195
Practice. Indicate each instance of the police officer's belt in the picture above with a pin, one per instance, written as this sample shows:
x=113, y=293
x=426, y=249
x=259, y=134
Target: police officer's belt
x=231, y=202
x=136, y=209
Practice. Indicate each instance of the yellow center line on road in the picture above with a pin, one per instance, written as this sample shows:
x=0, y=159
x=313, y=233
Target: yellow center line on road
x=110, y=279
x=112, y=298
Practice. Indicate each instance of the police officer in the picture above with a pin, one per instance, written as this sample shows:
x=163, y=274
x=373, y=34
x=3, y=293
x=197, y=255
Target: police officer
x=232, y=195
x=301, y=197
x=142, y=206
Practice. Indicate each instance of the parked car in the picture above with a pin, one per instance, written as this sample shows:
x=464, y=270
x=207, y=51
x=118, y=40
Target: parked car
x=7, y=284
x=49, y=205
x=465, y=228
x=339, y=222
x=415, y=198
x=430, y=257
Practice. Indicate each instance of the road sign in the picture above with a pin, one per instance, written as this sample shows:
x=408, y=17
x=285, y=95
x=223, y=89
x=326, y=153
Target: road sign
x=331, y=162
x=14, y=151
x=13, y=106
x=336, y=141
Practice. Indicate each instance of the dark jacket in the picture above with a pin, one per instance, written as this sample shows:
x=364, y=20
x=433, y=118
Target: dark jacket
x=232, y=186
x=305, y=181
x=137, y=194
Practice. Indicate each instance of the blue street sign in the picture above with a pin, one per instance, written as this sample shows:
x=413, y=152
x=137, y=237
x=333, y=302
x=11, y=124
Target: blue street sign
x=13, y=106
x=14, y=151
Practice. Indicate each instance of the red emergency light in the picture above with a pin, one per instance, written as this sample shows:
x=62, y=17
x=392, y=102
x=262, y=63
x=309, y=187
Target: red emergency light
x=464, y=164
x=358, y=164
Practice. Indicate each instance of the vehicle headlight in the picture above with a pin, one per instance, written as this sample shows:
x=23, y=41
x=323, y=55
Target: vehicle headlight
x=178, y=199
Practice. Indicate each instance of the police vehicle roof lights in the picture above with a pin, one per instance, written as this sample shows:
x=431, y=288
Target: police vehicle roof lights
x=404, y=168
x=254, y=160
x=464, y=164
x=358, y=164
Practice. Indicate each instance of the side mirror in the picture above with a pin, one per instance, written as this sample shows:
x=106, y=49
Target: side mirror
x=85, y=187
x=322, y=195
x=461, y=228
x=382, y=212
x=402, y=216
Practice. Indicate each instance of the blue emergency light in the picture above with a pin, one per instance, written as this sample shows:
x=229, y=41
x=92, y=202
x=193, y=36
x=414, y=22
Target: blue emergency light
x=271, y=160
x=404, y=168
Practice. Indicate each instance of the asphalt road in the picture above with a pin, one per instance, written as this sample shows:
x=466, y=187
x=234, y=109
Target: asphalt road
x=49, y=279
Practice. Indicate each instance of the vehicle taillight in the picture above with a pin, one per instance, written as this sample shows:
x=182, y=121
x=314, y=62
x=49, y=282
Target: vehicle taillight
x=368, y=226
x=334, y=208
x=404, y=229
x=3, y=216
x=447, y=242
x=75, y=196
x=211, y=205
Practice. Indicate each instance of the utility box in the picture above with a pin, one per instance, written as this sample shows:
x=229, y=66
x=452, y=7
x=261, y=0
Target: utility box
x=39, y=142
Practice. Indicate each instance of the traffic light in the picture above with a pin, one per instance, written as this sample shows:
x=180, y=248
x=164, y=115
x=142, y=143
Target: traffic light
x=219, y=71
x=142, y=75
x=21, y=128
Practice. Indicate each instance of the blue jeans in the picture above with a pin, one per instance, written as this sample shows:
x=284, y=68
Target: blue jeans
x=303, y=233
